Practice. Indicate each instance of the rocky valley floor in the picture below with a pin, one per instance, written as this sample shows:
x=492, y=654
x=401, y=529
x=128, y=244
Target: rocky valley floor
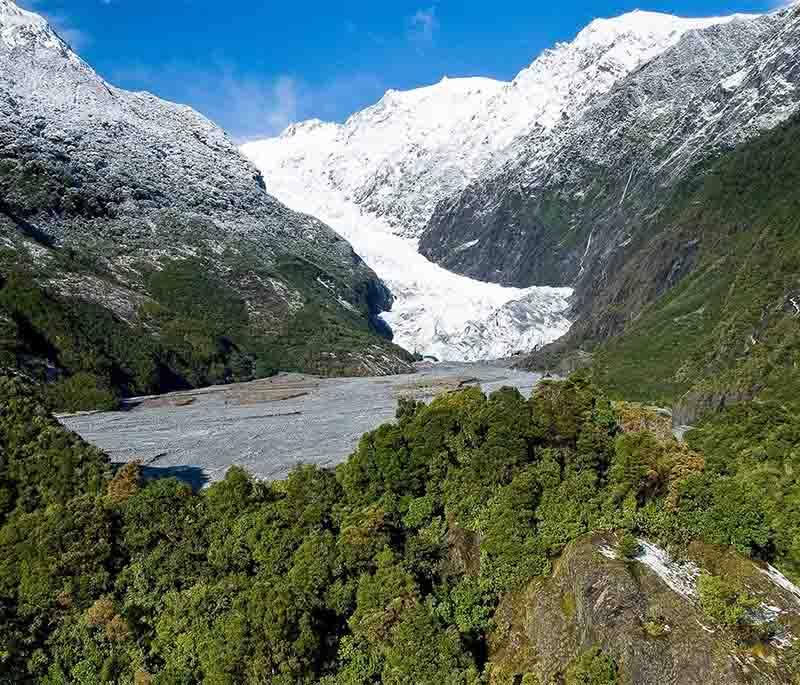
x=270, y=426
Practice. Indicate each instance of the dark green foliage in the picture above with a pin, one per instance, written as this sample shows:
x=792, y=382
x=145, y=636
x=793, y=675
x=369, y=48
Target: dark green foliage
x=628, y=546
x=593, y=668
x=101, y=355
x=750, y=495
x=80, y=392
x=387, y=570
x=187, y=289
x=41, y=463
x=194, y=331
x=723, y=601
x=727, y=330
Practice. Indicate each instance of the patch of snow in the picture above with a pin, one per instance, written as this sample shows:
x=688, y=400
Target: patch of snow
x=705, y=627
x=782, y=582
x=608, y=552
x=467, y=245
x=679, y=576
x=625, y=192
x=586, y=252
x=735, y=81
x=344, y=303
x=39, y=254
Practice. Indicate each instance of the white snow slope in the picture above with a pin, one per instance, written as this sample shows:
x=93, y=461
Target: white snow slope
x=377, y=178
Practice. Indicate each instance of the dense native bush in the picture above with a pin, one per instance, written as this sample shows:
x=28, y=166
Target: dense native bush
x=387, y=570
x=195, y=330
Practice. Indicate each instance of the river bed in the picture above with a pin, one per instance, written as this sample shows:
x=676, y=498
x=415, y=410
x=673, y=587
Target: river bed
x=270, y=426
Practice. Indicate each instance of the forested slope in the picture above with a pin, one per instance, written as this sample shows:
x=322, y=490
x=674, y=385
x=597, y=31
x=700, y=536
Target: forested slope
x=92, y=338
x=709, y=301
x=391, y=568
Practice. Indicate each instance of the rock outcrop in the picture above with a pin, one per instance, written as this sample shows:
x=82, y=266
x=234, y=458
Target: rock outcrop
x=644, y=614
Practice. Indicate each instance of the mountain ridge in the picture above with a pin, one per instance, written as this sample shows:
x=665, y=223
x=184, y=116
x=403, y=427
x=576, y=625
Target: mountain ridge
x=454, y=114
x=377, y=178
x=635, y=132
x=138, y=186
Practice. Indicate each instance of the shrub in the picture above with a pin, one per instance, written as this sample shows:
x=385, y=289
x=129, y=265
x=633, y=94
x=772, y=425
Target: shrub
x=724, y=601
x=81, y=392
x=593, y=667
x=628, y=546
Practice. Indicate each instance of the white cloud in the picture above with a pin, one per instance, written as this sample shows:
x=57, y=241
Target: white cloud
x=248, y=106
x=261, y=108
x=423, y=26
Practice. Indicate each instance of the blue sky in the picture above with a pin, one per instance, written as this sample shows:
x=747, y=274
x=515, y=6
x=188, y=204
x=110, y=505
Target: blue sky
x=254, y=66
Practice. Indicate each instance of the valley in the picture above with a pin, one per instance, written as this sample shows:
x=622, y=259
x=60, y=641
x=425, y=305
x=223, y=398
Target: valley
x=493, y=382
x=435, y=311
x=271, y=426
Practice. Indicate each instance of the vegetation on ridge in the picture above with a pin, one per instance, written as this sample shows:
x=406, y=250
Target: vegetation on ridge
x=387, y=570
x=731, y=326
x=195, y=328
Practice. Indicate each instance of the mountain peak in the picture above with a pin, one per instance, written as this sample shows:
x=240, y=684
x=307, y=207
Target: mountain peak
x=656, y=30
x=20, y=28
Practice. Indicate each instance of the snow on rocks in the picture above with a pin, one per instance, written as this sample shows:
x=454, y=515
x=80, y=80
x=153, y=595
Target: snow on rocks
x=161, y=179
x=680, y=576
x=377, y=178
x=782, y=582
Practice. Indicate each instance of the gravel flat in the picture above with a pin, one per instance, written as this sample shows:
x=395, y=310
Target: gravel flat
x=269, y=426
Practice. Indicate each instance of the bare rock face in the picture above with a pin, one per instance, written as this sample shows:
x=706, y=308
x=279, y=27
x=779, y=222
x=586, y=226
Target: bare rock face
x=573, y=198
x=644, y=614
x=132, y=179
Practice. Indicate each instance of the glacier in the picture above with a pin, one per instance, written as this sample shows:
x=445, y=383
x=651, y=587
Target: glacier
x=377, y=178
x=436, y=312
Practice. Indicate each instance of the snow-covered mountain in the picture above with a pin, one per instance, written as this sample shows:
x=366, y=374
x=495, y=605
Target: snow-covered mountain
x=571, y=202
x=378, y=178
x=398, y=158
x=127, y=180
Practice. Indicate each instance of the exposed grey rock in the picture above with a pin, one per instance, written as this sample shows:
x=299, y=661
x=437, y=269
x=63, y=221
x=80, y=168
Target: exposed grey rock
x=575, y=198
x=644, y=614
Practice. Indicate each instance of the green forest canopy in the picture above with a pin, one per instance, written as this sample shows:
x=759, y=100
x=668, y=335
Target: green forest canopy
x=369, y=573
